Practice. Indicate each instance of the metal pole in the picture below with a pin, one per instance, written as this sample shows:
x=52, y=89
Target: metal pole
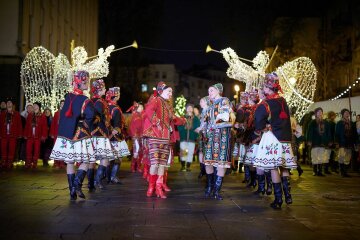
x=349, y=96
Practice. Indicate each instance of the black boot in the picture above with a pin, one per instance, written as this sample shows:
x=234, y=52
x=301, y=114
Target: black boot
x=209, y=184
x=285, y=185
x=72, y=189
x=240, y=167
x=276, y=204
x=336, y=167
x=315, y=171
x=188, y=167
x=268, y=183
x=261, y=184
x=252, y=182
x=108, y=173
x=217, y=187
x=202, y=171
x=114, y=172
x=247, y=174
x=326, y=168
x=319, y=169
x=343, y=170
x=183, y=169
x=235, y=167
x=80, y=175
x=99, y=176
x=299, y=169
x=90, y=177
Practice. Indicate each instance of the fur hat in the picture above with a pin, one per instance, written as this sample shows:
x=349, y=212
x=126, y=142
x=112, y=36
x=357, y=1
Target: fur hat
x=219, y=87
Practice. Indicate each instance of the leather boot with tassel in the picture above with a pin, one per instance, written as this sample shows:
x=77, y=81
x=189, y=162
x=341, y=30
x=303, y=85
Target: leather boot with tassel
x=217, y=187
x=269, y=184
x=152, y=183
x=99, y=175
x=165, y=186
x=159, y=187
x=209, y=184
x=261, y=184
x=247, y=174
x=91, y=179
x=114, y=171
x=276, y=204
x=79, y=178
x=72, y=189
x=286, y=189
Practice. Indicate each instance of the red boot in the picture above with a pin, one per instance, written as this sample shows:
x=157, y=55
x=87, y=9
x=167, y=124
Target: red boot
x=133, y=167
x=151, y=187
x=159, y=187
x=165, y=186
x=145, y=172
x=138, y=164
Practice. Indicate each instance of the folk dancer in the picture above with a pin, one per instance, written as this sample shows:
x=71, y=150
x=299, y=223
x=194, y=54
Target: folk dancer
x=73, y=142
x=272, y=124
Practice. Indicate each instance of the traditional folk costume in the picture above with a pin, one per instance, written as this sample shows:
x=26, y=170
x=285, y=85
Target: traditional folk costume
x=117, y=140
x=73, y=142
x=35, y=132
x=188, y=138
x=10, y=132
x=272, y=118
x=242, y=116
x=250, y=141
x=218, y=134
x=100, y=134
x=48, y=144
x=320, y=138
x=54, y=129
x=346, y=139
x=202, y=141
x=158, y=128
x=135, y=132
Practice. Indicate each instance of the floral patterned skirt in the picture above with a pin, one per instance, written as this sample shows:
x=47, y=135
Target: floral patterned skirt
x=272, y=154
x=120, y=149
x=239, y=152
x=103, y=148
x=73, y=151
x=218, y=148
x=250, y=154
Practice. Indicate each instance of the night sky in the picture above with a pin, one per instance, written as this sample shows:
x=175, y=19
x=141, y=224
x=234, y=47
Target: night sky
x=191, y=25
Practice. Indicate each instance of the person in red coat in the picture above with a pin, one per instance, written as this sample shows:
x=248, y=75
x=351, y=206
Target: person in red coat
x=135, y=132
x=159, y=128
x=54, y=128
x=35, y=132
x=11, y=130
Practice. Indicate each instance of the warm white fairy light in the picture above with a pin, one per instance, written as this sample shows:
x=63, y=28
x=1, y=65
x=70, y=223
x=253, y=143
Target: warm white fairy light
x=239, y=70
x=346, y=90
x=297, y=77
x=46, y=78
x=298, y=82
x=180, y=104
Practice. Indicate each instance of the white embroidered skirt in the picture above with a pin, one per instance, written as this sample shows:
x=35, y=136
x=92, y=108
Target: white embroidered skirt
x=120, y=149
x=250, y=154
x=103, y=148
x=272, y=153
x=73, y=151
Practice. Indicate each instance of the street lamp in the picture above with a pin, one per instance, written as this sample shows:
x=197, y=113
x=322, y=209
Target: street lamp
x=237, y=89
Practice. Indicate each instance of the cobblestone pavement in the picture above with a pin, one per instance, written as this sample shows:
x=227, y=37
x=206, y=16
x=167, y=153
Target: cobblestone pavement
x=35, y=205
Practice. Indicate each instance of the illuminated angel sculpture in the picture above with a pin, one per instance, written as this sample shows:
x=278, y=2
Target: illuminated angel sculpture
x=46, y=78
x=297, y=77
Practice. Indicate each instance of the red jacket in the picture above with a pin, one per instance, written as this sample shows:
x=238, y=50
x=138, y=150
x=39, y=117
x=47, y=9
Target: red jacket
x=39, y=122
x=54, y=128
x=160, y=120
x=15, y=126
x=135, y=126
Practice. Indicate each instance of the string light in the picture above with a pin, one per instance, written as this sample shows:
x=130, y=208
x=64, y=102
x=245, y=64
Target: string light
x=346, y=90
x=297, y=78
x=180, y=104
x=46, y=78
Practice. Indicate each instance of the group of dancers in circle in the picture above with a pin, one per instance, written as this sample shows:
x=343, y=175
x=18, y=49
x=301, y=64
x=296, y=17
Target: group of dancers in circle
x=92, y=130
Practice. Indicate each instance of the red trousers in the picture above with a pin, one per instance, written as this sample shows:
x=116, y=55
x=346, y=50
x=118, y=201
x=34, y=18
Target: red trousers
x=8, y=146
x=32, y=152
